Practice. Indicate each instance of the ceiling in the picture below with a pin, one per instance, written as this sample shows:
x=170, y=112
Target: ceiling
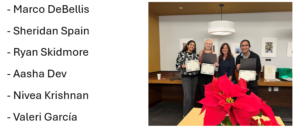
x=189, y=8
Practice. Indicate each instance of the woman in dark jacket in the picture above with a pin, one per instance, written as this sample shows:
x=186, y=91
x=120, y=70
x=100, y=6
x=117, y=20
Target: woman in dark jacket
x=226, y=62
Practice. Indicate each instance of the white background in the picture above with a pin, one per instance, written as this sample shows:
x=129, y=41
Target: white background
x=107, y=74
x=289, y=49
x=251, y=26
x=118, y=89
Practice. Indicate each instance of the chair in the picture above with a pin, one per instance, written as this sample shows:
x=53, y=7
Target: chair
x=236, y=76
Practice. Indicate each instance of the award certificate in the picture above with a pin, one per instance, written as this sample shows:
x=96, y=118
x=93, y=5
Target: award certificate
x=192, y=65
x=248, y=75
x=208, y=69
x=269, y=72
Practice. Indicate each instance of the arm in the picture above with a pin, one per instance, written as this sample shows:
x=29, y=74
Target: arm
x=197, y=57
x=219, y=67
x=216, y=63
x=237, y=63
x=179, y=62
x=232, y=68
x=258, y=65
x=200, y=53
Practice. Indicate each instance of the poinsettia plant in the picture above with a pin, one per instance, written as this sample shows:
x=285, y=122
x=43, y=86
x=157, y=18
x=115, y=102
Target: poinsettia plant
x=233, y=104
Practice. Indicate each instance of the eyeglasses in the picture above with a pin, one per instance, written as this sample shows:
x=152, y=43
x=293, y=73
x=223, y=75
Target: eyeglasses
x=244, y=45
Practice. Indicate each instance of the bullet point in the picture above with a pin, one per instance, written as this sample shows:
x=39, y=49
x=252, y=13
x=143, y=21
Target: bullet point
x=8, y=52
x=8, y=9
x=8, y=95
x=8, y=74
x=8, y=117
x=8, y=31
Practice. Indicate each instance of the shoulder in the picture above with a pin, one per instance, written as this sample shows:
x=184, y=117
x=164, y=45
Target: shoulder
x=214, y=53
x=181, y=53
x=238, y=56
x=254, y=54
x=200, y=53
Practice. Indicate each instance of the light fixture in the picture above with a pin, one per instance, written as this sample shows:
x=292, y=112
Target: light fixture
x=180, y=7
x=221, y=27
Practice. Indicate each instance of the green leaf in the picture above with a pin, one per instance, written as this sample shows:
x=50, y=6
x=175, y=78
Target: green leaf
x=225, y=119
x=228, y=123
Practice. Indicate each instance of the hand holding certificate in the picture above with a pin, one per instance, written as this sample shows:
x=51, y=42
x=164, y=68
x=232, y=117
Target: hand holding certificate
x=247, y=69
x=208, y=69
x=208, y=66
x=192, y=65
x=247, y=75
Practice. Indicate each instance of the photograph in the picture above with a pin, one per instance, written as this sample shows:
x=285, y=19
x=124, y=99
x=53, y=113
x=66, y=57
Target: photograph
x=183, y=45
x=177, y=97
x=237, y=50
x=183, y=41
x=269, y=47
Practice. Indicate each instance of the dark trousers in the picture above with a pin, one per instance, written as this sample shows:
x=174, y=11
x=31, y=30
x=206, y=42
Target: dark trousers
x=203, y=80
x=189, y=85
x=253, y=86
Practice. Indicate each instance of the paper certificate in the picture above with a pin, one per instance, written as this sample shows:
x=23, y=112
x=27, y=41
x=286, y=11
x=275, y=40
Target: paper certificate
x=208, y=69
x=192, y=65
x=248, y=75
x=269, y=72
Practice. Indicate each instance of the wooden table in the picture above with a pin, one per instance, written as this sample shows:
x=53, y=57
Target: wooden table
x=165, y=90
x=194, y=119
x=154, y=80
x=260, y=82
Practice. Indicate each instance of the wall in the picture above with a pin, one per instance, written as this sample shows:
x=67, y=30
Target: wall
x=251, y=26
x=153, y=43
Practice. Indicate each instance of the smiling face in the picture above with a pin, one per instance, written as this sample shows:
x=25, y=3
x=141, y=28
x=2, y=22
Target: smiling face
x=191, y=46
x=245, y=47
x=208, y=45
x=225, y=50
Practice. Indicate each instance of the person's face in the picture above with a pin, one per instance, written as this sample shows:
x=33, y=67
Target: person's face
x=245, y=47
x=191, y=46
x=208, y=45
x=225, y=49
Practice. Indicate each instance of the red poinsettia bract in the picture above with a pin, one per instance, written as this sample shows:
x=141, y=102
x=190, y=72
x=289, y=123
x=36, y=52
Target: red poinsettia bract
x=268, y=123
x=223, y=97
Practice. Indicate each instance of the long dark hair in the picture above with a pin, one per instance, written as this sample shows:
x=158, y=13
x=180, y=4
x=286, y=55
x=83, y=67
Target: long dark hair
x=229, y=54
x=185, y=47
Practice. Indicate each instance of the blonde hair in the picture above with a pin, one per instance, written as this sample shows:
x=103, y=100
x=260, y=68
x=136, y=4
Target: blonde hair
x=212, y=44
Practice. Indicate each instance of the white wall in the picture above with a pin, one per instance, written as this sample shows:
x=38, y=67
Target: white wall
x=251, y=26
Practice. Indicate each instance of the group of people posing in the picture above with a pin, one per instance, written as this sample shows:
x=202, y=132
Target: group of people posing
x=226, y=65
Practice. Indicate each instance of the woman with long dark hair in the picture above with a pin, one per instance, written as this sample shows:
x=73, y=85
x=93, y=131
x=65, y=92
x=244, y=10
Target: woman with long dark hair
x=189, y=79
x=226, y=62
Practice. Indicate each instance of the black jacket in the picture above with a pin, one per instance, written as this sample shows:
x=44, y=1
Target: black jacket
x=252, y=55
